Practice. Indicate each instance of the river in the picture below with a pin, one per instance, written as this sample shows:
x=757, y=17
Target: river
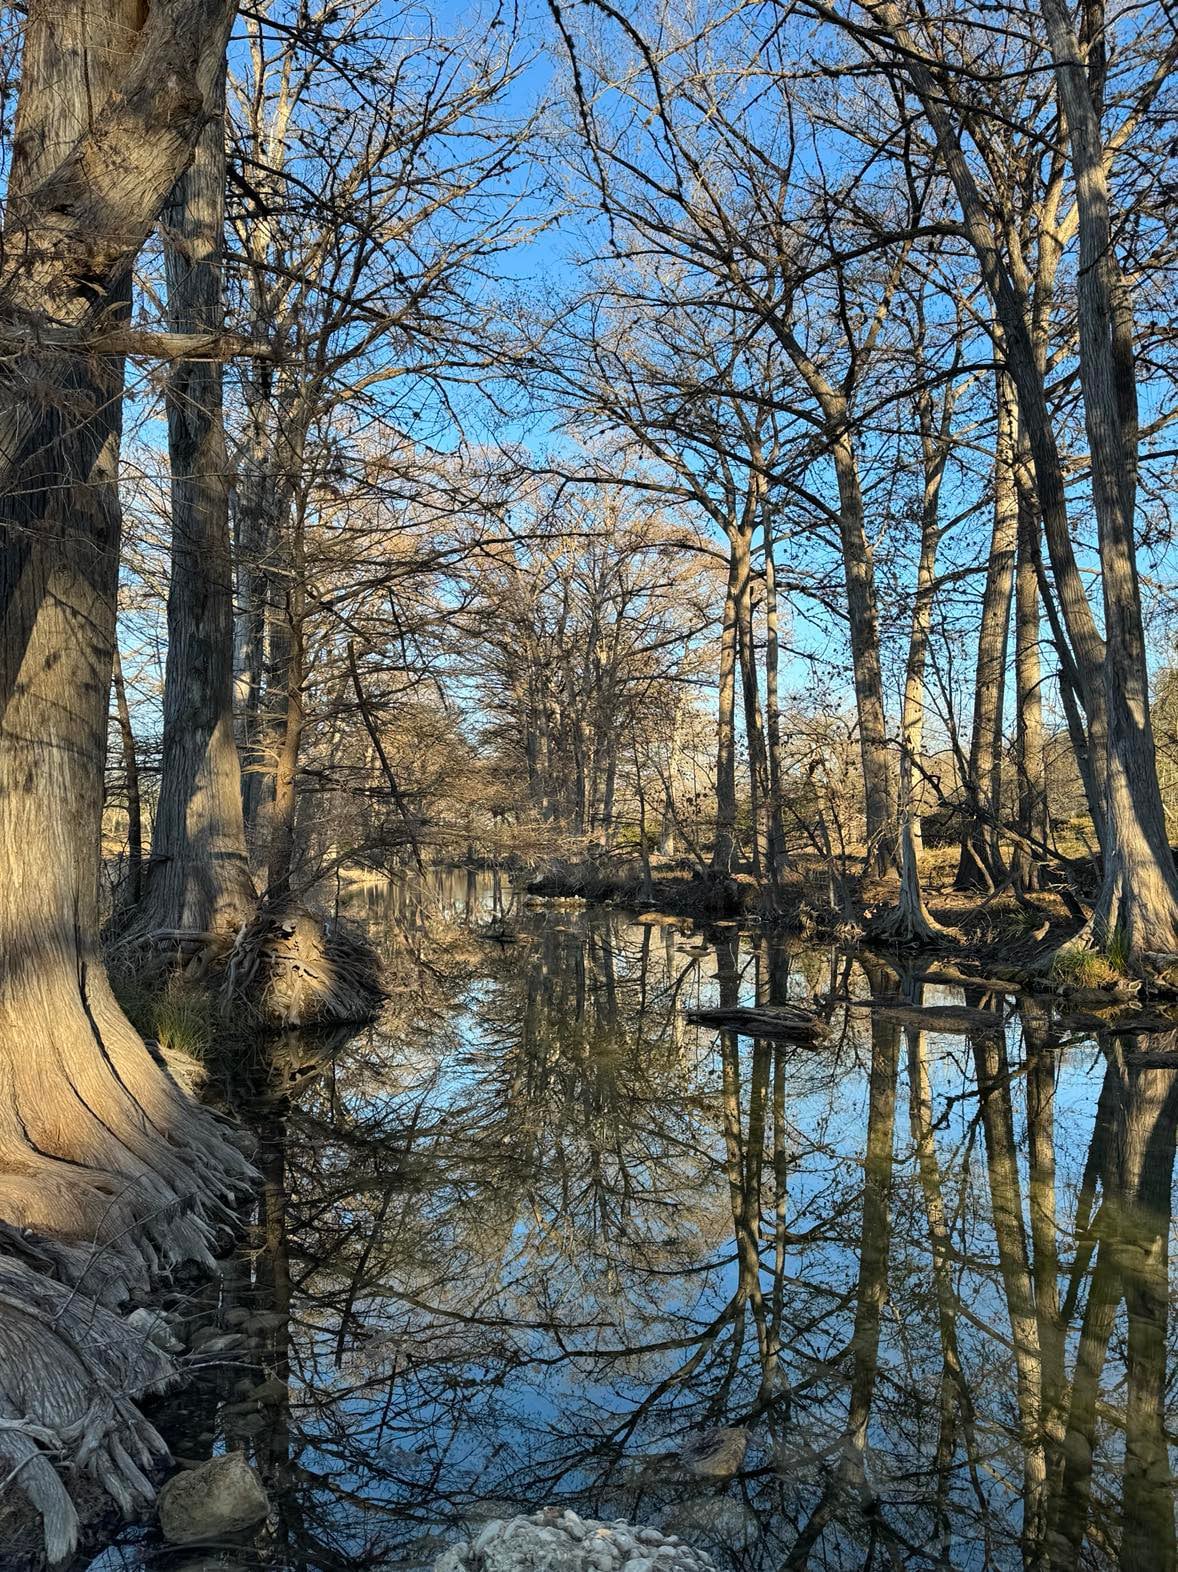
x=532, y=1234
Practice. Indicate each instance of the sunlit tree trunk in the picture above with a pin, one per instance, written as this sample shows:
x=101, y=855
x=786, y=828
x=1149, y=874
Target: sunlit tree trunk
x=1138, y=905
x=859, y=571
x=1029, y=735
x=753, y=727
x=778, y=855
x=862, y=611
x=912, y=919
x=134, y=887
x=287, y=676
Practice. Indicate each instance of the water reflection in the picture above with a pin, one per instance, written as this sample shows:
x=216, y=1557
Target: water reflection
x=532, y=1236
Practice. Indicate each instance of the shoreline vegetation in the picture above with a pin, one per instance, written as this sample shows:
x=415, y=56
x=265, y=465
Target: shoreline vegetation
x=1007, y=939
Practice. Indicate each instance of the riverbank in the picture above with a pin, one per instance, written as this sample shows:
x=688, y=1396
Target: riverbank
x=1005, y=937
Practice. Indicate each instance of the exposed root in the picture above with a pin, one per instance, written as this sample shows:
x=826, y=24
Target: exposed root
x=70, y=1374
x=109, y=1176
x=905, y=924
x=298, y=974
x=284, y=968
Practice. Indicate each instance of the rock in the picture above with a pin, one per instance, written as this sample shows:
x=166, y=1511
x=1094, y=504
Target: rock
x=156, y=1329
x=555, y=1541
x=220, y=1497
x=519, y=1546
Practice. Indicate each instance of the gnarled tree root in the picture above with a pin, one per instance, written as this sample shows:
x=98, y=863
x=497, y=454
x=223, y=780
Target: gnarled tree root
x=284, y=968
x=298, y=973
x=71, y=1372
x=109, y=1176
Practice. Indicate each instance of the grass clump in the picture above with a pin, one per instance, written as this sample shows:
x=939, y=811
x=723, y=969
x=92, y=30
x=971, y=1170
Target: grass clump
x=1076, y=967
x=181, y=1019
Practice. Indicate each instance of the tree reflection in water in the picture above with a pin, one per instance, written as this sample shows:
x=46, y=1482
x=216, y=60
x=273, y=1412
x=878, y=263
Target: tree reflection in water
x=531, y=1233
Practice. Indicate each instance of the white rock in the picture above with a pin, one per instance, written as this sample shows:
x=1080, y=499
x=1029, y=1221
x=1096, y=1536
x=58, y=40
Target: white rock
x=555, y=1540
x=489, y=1530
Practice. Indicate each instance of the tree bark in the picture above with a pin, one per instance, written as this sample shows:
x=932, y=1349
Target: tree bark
x=912, y=919
x=980, y=862
x=778, y=854
x=741, y=547
x=724, y=842
x=287, y=676
x=862, y=611
x=134, y=887
x=1138, y=905
x=198, y=876
x=97, y=1144
x=1029, y=735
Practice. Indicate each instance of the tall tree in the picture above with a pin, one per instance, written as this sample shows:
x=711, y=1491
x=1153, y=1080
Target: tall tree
x=198, y=877
x=97, y=1143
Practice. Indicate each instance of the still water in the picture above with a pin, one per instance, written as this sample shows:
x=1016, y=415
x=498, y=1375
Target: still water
x=532, y=1233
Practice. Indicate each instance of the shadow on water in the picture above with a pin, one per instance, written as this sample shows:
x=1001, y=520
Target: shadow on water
x=531, y=1236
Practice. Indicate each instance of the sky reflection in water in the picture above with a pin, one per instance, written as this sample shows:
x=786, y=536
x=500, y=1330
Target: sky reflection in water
x=532, y=1232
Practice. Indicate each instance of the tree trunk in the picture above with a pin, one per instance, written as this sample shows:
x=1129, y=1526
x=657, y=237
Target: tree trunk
x=862, y=611
x=778, y=853
x=980, y=863
x=198, y=876
x=1138, y=906
x=754, y=731
x=97, y=1144
x=724, y=844
x=134, y=887
x=912, y=919
x=1029, y=736
x=859, y=570
x=1022, y=364
x=287, y=676
x=256, y=531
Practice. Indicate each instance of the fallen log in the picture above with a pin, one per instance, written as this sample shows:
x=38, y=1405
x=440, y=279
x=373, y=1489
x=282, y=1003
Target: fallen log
x=764, y=1020
x=953, y=977
x=956, y=1019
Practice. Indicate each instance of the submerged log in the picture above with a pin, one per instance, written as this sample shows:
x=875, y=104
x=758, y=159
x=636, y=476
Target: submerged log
x=765, y=1020
x=956, y=1019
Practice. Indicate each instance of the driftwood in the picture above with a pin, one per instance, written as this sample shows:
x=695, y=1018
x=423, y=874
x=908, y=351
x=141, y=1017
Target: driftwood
x=765, y=1020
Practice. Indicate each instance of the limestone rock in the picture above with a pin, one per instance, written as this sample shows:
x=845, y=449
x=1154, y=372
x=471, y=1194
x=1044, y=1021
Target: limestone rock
x=222, y=1496
x=553, y=1540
